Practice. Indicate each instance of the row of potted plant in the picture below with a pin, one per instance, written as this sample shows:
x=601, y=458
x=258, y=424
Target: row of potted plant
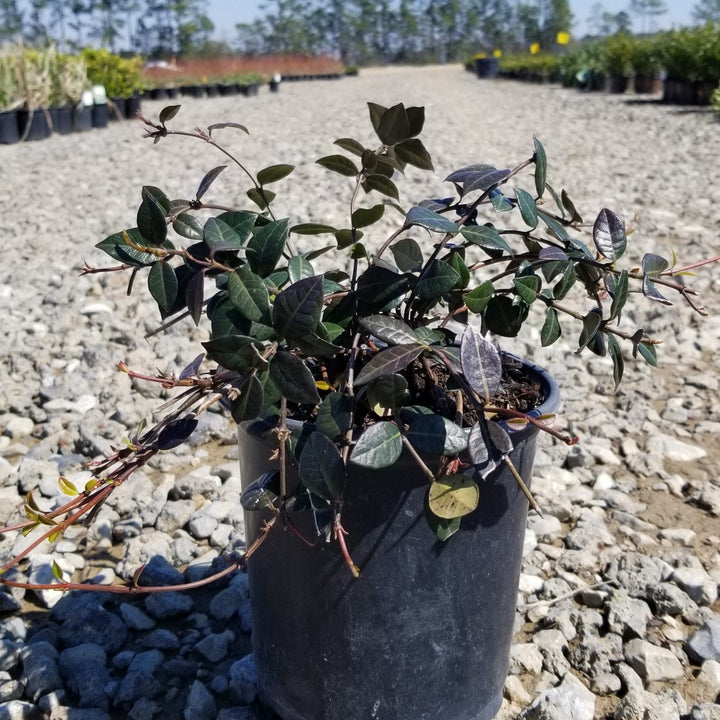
x=688, y=58
x=43, y=91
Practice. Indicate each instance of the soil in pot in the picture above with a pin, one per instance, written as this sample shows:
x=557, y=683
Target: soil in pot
x=425, y=631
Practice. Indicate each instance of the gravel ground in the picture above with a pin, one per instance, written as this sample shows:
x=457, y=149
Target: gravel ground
x=618, y=610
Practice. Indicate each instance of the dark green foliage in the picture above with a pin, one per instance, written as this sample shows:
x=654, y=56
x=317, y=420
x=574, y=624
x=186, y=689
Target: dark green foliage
x=370, y=346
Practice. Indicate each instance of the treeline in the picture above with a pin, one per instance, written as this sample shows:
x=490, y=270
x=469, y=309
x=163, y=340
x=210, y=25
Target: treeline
x=153, y=28
x=370, y=31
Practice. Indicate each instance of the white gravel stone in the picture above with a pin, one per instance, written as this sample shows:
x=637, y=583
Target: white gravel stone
x=651, y=662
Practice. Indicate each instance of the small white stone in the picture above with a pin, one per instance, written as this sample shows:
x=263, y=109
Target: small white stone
x=684, y=536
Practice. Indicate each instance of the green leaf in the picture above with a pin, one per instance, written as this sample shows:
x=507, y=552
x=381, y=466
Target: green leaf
x=321, y=468
x=387, y=392
x=379, y=446
x=382, y=184
x=299, y=268
x=273, y=173
x=208, y=180
x=352, y=146
x=265, y=248
x=408, y=255
x=443, y=529
x=220, y=126
x=312, y=229
x=456, y=262
x=488, y=238
x=388, y=361
x=413, y=152
x=168, y=113
x=528, y=210
x=394, y=125
x=334, y=415
x=362, y=217
x=527, y=287
x=437, y=279
x=617, y=359
x=248, y=294
x=551, y=330
x=241, y=222
x=378, y=286
x=236, y=352
x=453, y=496
x=225, y=319
x=293, y=378
x=591, y=324
x=570, y=207
x=152, y=221
x=430, y=220
x=194, y=295
x=504, y=317
x=346, y=237
x=501, y=203
x=435, y=435
x=57, y=571
x=376, y=113
x=389, y=329
x=540, y=167
x=481, y=364
x=251, y=402
x=648, y=352
x=478, y=298
x=565, y=283
x=619, y=295
x=609, y=235
x=262, y=198
x=258, y=495
x=557, y=229
x=163, y=285
x=339, y=164
x=219, y=236
x=298, y=308
x=188, y=226
x=653, y=264
x=416, y=119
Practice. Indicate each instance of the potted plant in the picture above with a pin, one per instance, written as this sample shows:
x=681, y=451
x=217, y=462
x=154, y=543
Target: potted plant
x=646, y=66
x=386, y=444
x=34, y=80
x=121, y=78
x=10, y=97
x=68, y=77
x=617, y=53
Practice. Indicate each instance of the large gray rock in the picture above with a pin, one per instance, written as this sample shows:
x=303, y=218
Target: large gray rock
x=704, y=644
x=83, y=668
x=651, y=662
x=570, y=700
x=243, y=680
x=200, y=703
x=40, y=673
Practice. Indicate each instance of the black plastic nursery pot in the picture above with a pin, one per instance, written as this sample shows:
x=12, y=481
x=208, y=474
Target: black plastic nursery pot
x=82, y=118
x=425, y=631
x=487, y=67
x=62, y=119
x=100, y=115
x=9, y=130
x=132, y=106
x=34, y=124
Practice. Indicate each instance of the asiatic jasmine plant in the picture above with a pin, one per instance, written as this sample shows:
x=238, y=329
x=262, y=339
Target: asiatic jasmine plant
x=386, y=351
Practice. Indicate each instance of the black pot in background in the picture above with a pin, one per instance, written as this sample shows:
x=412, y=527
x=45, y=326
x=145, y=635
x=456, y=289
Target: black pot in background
x=196, y=91
x=132, y=106
x=34, y=125
x=9, y=132
x=647, y=84
x=116, y=109
x=82, y=118
x=226, y=89
x=425, y=631
x=62, y=119
x=274, y=85
x=100, y=115
x=159, y=94
x=617, y=84
x=487, y=67
x=173, y=93
x=251, y=90
x=212, y=90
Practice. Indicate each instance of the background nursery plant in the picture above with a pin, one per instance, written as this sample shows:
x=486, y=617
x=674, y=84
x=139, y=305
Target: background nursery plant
x=383, y=356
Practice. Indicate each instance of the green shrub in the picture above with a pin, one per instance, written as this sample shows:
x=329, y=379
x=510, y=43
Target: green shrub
x=692, y=54
x=617, y=51
x=121, y=77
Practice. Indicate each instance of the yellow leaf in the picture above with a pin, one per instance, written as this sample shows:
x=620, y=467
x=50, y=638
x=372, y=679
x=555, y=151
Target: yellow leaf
x=535, y=48
x=497, y=53
x=453, y=496
x=67, y=487
x=563, y=38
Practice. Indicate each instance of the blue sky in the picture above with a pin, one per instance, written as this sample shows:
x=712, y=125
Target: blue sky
x=225, y=14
